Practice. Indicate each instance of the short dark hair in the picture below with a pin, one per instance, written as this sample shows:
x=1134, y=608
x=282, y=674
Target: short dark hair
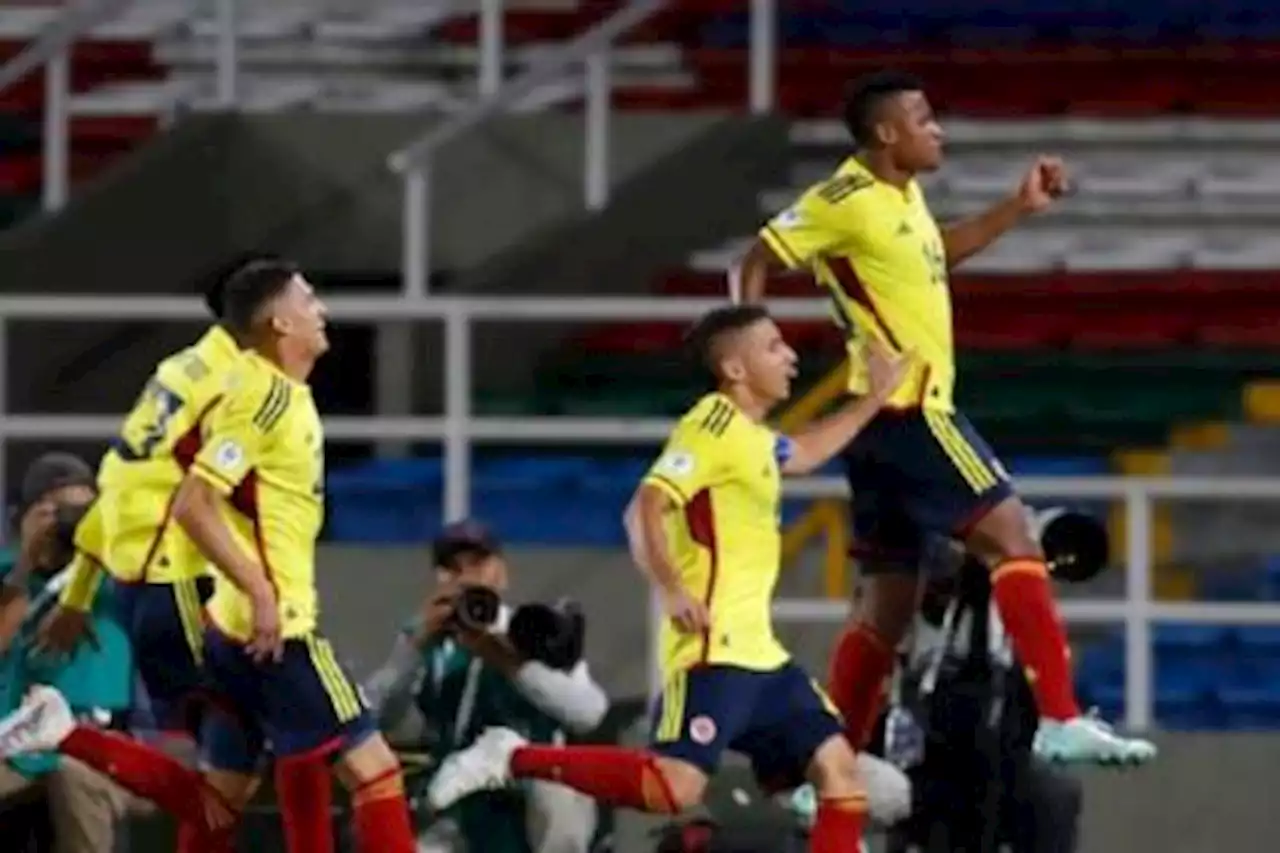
x=865, y=96
x=249, y=288
x=712, y=327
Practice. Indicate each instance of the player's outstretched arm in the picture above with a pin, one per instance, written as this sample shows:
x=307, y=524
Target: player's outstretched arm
x=749, y=277
x=809, y=449
x=1045, y=181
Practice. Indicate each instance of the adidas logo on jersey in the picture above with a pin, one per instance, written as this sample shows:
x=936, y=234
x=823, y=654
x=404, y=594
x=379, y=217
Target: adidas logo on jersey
x=904, y=230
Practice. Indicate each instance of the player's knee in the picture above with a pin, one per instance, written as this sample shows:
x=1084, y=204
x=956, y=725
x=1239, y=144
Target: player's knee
x=685, y=783
x=1005, y=532
x=372, y=758
x=834, y=769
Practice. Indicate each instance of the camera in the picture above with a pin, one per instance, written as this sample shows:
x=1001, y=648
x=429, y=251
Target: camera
x=550, y=634
x=477, y=608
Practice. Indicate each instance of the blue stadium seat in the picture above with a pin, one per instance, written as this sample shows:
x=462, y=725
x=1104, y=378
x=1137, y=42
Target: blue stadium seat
x=1251, y=708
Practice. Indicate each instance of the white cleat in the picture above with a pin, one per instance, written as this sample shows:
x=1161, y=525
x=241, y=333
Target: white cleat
x=888, y=795
x=1088, y=740
x=483, y=766
x=40, y=724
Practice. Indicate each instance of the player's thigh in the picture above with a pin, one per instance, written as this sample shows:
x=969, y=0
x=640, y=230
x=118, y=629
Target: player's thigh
x=953, y=480
x=310, y=702
x=558, y=819
x=700, y=712
x=232, y=737
x=167, y=634
x=790, y=723
x=886, y=540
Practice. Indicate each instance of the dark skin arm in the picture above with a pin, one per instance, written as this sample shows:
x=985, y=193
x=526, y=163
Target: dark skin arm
x=1045, y=181
x=752, y=272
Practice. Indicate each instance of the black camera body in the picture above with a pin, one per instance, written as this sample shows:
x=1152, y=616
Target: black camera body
x=551, y=634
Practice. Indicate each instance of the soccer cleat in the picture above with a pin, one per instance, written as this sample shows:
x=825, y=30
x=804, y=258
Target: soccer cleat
x=40, y=723
x=1089, y=740
x=483, y=766
x=888, y=794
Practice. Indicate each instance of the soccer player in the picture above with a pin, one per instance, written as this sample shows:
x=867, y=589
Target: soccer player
x=703, y=526
x=252, y=502
x=920, y=472
x=161, y=580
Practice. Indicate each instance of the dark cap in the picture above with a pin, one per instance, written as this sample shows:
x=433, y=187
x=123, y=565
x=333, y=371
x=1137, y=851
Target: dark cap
x=463, y=537
x=50, y=472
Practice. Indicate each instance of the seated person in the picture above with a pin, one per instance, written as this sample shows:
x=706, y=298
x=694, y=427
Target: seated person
x=461, y=678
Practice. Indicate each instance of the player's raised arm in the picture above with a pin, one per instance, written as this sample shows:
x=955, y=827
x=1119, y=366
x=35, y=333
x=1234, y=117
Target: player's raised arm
x=788, y=241
x=809, y=449
x=234, y=435
x=1045, y=181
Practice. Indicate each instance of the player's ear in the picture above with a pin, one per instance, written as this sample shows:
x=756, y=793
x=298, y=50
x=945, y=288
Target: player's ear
x=732, y=369
x=886, y=133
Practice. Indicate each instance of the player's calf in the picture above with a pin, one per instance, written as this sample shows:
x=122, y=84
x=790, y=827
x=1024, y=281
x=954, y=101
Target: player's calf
x=842, y=799
x=371, y=772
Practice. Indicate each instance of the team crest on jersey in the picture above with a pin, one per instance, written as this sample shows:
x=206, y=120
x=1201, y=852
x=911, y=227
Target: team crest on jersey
x=229, y=455
x=677, y=463
x=702, y=730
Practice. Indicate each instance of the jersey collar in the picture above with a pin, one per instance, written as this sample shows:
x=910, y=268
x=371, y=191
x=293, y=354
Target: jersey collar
x=220, y=341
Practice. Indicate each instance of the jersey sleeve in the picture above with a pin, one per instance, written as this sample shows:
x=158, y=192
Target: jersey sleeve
x=692, y=460
x=237, y=431
x=86, y=567
x=809, y=228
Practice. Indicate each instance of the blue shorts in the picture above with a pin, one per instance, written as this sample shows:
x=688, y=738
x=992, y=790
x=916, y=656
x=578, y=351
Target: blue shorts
x=919, y=479
x=306, y=702
x=165, y=625
x=777, y=718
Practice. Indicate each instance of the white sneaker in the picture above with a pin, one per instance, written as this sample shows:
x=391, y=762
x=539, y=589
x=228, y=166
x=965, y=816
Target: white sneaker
x=1089, y=740
x=483, y=766
x=42, y=721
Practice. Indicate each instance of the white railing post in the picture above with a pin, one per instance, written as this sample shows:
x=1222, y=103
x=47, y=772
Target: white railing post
x=490, y=76
x=596, y=162
x=1137, y=622
x=57, y=130
x=457, y=413
x=415, y=267
x=763, y=64
x=228, y=61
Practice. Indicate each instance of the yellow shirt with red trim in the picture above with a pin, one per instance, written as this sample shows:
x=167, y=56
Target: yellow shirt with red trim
x=144, y=466
x=264, y=451
x=878, y=252
x=722, y=471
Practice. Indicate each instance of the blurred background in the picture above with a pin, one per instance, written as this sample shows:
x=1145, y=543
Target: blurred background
x=515, y=207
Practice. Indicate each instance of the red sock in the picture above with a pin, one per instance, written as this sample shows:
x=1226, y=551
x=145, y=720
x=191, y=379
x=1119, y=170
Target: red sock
x=382, y=816
x=838, y=827
x=863, y=660
x=1024, y=599
x=199, y=839
x=615, y=775
x=304, y=791
x=147, y=772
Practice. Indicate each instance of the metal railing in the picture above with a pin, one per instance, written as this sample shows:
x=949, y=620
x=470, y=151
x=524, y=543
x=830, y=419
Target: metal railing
x=458, y=429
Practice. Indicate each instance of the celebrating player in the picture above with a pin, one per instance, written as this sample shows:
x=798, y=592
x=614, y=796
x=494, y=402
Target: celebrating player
x=704, y=527
x=161, y=580
x=920, y=471
x=252, y=502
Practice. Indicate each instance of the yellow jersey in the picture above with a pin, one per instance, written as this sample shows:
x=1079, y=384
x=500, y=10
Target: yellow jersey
x=140, y=473
x=722, y=469
x=264, y=451
x=878, y=252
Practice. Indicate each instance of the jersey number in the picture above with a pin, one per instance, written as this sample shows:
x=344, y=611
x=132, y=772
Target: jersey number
x=149, y=425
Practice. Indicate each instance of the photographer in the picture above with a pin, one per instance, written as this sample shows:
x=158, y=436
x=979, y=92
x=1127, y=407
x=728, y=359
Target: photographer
x=57, y=491
x=468, y=662
x=961, y=722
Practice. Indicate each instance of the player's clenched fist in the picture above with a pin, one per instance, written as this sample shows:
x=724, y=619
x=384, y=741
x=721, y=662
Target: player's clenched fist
x=1046, y=180
x=688, y=613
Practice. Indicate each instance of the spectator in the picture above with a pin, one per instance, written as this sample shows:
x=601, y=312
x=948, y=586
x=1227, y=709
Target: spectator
x=460, y=679
x=85, y=806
